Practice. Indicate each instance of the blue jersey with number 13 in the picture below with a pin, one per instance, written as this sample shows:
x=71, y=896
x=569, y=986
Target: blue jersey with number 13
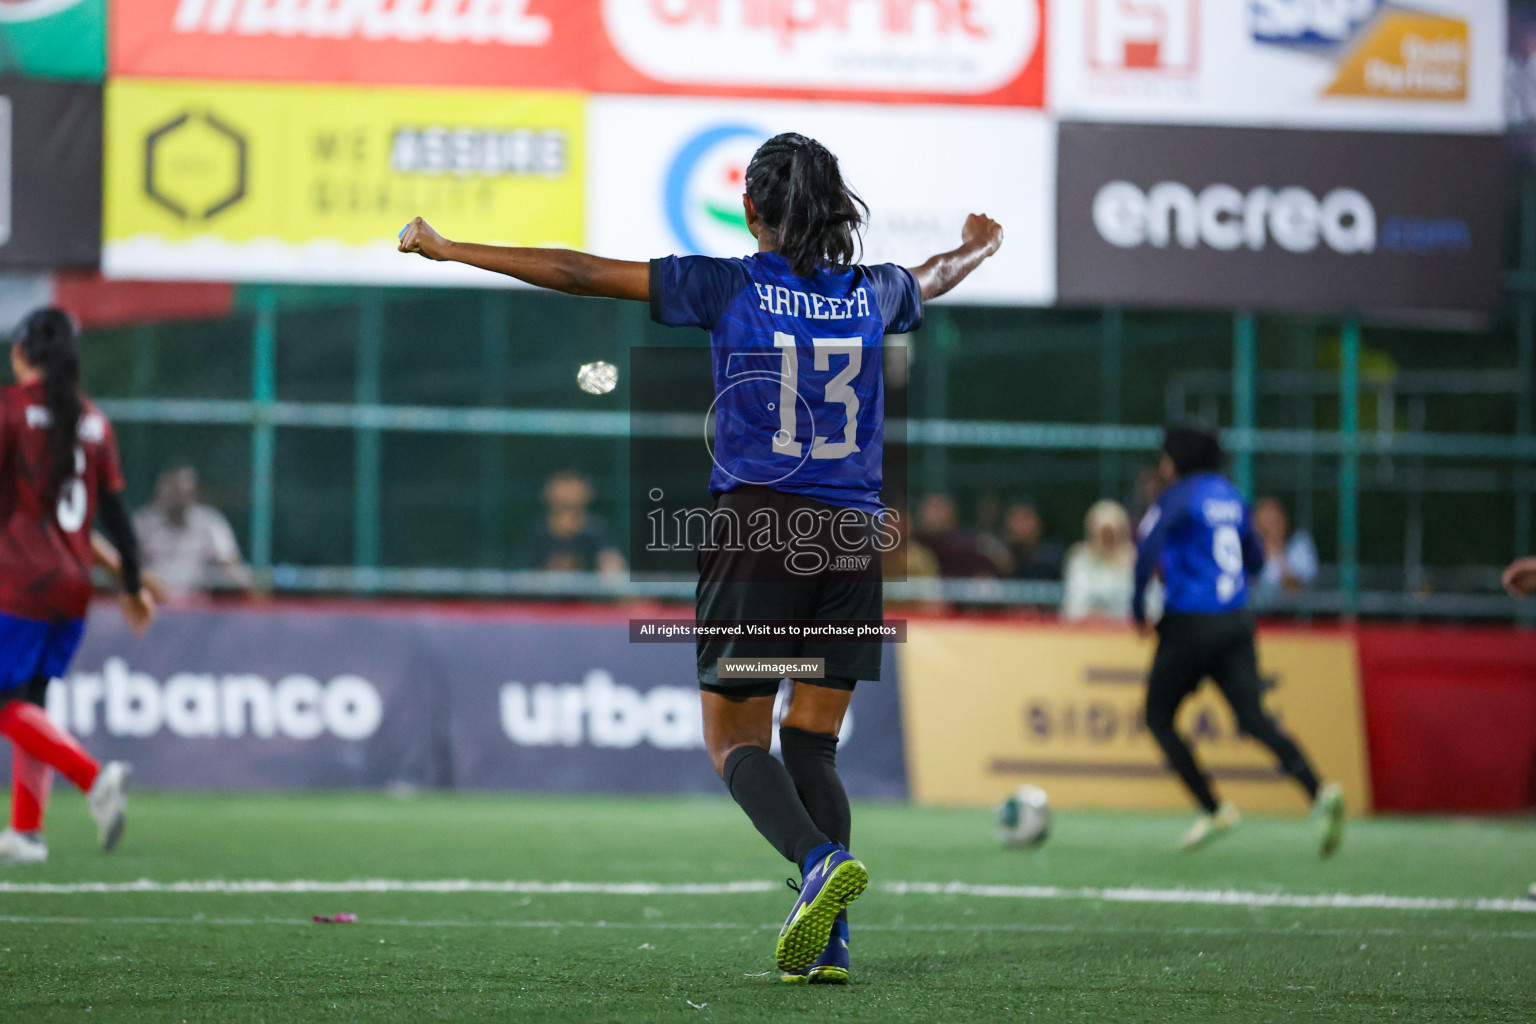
x=799, y=393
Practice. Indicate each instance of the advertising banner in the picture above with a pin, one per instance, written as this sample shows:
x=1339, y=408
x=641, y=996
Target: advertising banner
x=54, y=38
x=1422, y=65
x=314, y=698
x=665, y=176
x=1063, y=709
x=575, y=707
x=1312, y=222
x=296, y=183
x=953, y=51
x=50, y=175
x=212, y=700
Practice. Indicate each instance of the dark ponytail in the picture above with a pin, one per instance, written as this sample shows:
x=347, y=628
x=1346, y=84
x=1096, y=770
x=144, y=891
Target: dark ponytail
x=798, y=190
x=47, y=340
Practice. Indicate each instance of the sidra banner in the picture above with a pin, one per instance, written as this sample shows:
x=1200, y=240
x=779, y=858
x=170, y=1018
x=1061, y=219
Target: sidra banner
x=957, y=51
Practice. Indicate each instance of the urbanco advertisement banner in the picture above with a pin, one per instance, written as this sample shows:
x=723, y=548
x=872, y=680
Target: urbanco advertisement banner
x=576, y=707
x=50, y=175
x=1408, y=65
x=953, y=51
x=214, y=700
x=243, y=182
x=666, y=176
x=318, y=697
x=1063, y=709
x=1299, y=221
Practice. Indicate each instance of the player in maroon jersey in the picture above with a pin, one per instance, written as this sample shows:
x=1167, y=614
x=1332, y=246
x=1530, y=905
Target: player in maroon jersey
x=58, y=472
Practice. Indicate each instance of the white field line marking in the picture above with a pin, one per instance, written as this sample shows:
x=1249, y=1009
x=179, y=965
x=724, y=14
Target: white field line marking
x=725, y=926
x=1210, y=897
x=241, y=887
x=1204, y=897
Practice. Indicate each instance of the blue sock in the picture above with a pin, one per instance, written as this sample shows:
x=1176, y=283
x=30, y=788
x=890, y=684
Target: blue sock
x=840, y=928
x=814, y=857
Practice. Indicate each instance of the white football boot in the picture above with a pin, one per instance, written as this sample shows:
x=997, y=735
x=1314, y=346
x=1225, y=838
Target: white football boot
x=1211, y=826
x=22, y=847
x=1328, y=808
x=108, y=800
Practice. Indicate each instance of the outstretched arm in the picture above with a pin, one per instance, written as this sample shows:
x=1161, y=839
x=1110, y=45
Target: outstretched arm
x=562, y=270
x=979, y=238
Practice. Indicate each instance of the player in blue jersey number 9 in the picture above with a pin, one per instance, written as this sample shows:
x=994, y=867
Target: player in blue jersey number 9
x=1199, y=538
x=803, y=442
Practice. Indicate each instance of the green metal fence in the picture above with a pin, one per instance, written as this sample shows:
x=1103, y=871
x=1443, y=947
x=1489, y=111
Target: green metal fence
x=327, y=365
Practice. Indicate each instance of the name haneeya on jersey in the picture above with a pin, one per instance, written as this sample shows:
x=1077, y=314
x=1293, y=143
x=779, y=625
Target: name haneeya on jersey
x=780, y=301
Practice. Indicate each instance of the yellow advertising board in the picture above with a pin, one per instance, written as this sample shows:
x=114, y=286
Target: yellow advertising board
x=283, y=182
x=988, y=707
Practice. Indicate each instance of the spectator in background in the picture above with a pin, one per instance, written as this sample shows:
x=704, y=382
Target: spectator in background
x=953, y=546
x=1031, y=554
x=189, y=547
x=1290, y=560
x=1101, y=571
x=569, y=538
x=909, y=558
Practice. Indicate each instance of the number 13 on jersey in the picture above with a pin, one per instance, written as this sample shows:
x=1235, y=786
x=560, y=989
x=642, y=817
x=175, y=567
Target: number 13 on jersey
x=838, y=390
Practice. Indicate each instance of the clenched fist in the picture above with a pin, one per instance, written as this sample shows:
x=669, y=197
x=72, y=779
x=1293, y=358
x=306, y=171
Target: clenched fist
x=420, y=238
x=980, y=231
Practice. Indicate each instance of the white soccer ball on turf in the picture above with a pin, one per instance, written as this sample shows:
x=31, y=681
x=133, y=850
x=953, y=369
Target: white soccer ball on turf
x=1024, y=818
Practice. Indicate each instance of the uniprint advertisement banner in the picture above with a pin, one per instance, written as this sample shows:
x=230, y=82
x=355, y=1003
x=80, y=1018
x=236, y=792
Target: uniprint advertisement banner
x=1422, y=65
x=314, y=698
x=959, y=51
x=54, y=38
x=1302, y=221
x=225, y=181
x=1063, y=709
x=666, y=176
x=50, y=175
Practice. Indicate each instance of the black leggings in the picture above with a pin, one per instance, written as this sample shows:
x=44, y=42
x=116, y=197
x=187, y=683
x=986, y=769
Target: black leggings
x=1220, y=646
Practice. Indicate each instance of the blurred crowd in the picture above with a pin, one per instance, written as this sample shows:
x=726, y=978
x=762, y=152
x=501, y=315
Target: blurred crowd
x=1097, y=568
x=190, y=549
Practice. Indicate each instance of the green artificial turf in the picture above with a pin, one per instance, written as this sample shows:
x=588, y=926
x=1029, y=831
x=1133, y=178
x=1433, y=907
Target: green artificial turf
x=588, y=957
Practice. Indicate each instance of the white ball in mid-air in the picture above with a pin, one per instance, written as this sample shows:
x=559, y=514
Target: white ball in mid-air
x=597, y=378
x=1024, y=818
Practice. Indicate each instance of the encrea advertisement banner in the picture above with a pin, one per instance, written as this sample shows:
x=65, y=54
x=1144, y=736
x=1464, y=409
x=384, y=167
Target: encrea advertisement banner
x=666, y=176
x=1420, y=65
x=238, y=182
x=988, y=708
x=50, y=175
x=960, y=51
x=1320, y=222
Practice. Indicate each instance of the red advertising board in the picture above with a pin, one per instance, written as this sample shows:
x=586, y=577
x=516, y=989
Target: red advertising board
x=949, y=51
x=1451, y=717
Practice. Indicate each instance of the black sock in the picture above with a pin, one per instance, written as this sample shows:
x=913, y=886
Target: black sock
x=811, y=759
x=763, y=788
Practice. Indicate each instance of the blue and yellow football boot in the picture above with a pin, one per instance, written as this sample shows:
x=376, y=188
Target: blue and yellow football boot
x=834, y=882
x=831, y=968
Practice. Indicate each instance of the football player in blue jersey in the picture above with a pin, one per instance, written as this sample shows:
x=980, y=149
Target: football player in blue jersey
x=799, y=446
x=1199, y=538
